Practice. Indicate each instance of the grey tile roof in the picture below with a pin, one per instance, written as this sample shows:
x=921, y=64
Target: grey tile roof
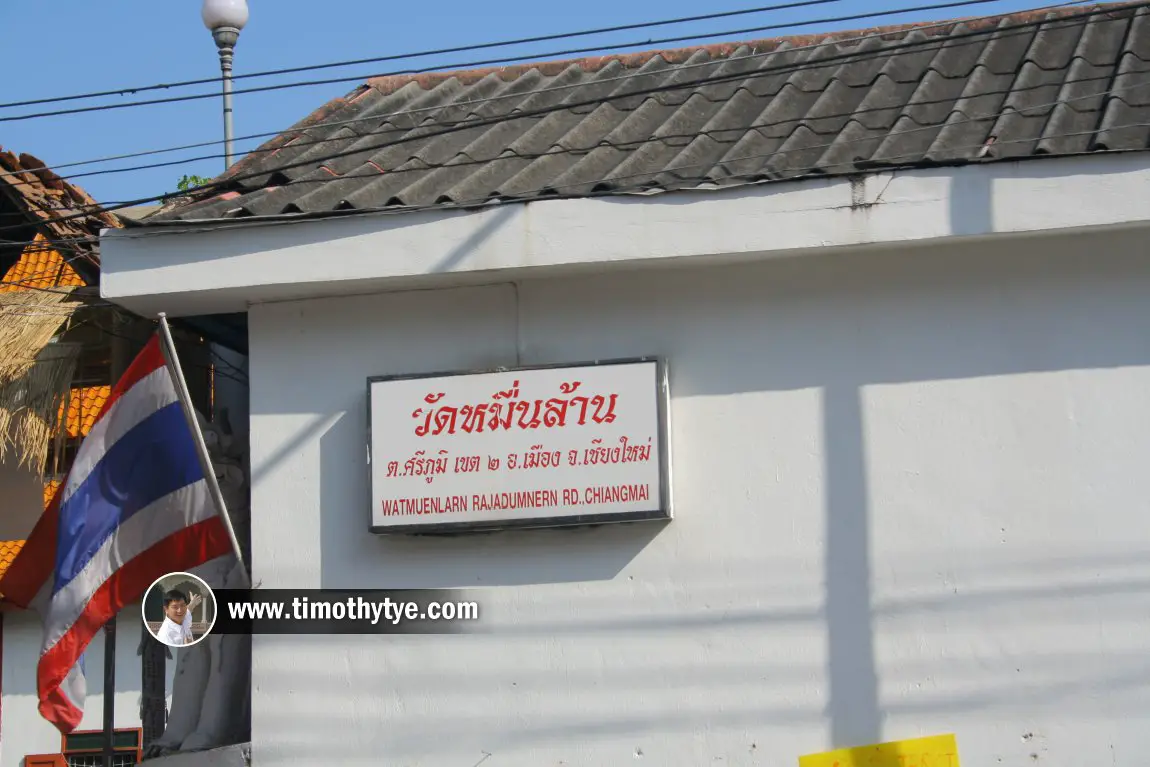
x=914, y=96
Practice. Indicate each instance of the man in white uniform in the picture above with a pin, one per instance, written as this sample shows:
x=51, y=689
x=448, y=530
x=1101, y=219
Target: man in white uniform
x=176, y=629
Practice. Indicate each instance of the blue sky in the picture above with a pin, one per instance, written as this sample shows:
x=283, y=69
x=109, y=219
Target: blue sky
x=77, y=46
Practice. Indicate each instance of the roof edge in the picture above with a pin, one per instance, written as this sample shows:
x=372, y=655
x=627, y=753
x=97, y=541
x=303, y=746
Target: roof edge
x=391, y=84
x=426, y=81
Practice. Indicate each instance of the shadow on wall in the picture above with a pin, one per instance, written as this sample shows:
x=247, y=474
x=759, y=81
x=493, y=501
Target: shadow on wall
x=1070, y=679
x=846, y=321
x=21, y=498
x=853, y=700
x=837, y=323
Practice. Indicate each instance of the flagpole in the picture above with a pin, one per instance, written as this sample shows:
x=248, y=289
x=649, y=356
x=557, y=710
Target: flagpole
x=173, y=361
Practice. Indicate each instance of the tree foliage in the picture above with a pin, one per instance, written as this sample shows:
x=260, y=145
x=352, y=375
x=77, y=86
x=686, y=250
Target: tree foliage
x=188, y=182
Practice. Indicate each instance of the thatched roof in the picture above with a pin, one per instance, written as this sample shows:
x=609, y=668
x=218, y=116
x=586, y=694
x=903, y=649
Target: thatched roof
x=42, y=284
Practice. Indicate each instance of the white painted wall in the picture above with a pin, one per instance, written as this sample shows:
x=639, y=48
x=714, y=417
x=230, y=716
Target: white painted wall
x=912, y=498
x=21, y=499
x=22, y=730
x=204, y=270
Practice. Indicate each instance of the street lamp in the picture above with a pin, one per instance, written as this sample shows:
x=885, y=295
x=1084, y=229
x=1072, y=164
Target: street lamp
x=225, y=19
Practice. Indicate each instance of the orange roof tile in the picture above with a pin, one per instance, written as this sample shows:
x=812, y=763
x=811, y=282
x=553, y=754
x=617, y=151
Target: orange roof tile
x=40, y=267
x=8, y=552
x=50, y=488
x=56, y=208
x=83, y=407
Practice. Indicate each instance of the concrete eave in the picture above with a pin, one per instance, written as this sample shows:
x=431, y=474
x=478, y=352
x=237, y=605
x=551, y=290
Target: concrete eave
x=191, y=271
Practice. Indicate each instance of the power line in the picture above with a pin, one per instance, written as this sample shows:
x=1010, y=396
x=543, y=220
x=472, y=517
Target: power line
x=66, y=310
x=477, y=202
x=593, y=102
x=53, y=271
x=420, y=54
x=297, y=217
x=186, y=363
x=455, y=105
x=26, y=284
x=489, y=62
x=263, y=221
x=828, y=116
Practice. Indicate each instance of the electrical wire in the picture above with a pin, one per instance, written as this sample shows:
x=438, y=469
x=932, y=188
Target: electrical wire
x=65, y=311
x=421, y=54
x=592, y=102
x=959, y=150
x=258, y=222
x=684, y=167
x=11, y=308
x=470, y=204
x=219, y=360
x=489, y=62
x=481, y=101
x=477, y=202
x=885, y=52
x=26, y=284
x=184, y=362
x=827, y=116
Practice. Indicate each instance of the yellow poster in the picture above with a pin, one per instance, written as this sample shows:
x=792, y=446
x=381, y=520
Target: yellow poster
x=936, y=751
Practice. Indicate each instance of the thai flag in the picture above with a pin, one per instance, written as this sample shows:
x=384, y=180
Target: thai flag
x=135, y=506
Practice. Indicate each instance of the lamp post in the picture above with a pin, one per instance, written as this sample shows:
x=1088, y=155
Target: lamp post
x=225, y=19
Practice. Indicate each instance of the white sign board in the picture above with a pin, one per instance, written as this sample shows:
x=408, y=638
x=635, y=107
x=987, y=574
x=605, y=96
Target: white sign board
x=530, y=447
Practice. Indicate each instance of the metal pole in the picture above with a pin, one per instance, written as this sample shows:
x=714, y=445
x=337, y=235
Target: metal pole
x=153, y=703
x=119, y=365
x=226, y=38
x=110, y=692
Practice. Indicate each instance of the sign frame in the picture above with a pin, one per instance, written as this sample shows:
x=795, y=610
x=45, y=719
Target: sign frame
x=662, y=512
